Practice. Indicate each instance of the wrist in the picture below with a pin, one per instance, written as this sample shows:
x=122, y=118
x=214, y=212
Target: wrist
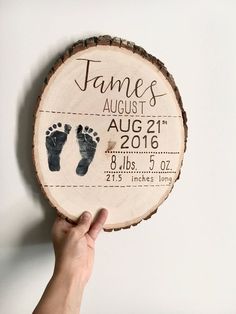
x=70, y=288
x=69, y=278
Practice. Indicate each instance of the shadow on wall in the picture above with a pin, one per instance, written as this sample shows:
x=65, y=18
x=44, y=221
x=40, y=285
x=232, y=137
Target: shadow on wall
x=28, y=256
x=39, y=233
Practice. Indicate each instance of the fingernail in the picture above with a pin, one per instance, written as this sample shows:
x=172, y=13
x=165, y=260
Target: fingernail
x=86, y=216
x=105, y=210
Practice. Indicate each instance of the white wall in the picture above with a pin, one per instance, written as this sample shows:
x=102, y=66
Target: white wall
x=183, y=259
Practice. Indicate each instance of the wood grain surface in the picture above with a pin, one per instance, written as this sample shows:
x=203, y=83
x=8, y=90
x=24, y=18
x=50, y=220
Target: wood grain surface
x=110, y=132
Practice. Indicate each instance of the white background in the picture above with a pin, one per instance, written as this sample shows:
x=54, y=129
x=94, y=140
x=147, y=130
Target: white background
x=183, y=259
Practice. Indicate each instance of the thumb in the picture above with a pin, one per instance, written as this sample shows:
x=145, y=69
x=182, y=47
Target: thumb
x=84, y=223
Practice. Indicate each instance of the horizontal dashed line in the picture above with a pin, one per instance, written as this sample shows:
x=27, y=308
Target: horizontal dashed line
x=161, y=172
x=137, y=152
x=109, y=115
x=103, y=186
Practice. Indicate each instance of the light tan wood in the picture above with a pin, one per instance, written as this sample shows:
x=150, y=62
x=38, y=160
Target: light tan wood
x=110, y=131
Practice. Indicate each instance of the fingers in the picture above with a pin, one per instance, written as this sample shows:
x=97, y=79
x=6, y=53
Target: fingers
x=98, y=223
x=84, y=223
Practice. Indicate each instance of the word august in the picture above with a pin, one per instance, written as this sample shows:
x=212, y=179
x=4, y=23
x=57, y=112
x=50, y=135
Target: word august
x=124, y=106
x=125, y=85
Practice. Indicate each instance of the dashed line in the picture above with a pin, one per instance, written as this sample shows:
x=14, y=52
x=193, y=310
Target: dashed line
x=160, y=172
x=138, y=152
x=103, y=186
x=109, y=115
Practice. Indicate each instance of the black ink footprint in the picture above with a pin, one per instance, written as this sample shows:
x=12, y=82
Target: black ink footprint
x=55, y=141
x=87, y=140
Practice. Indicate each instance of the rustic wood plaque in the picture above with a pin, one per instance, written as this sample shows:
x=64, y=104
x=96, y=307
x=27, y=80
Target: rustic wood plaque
x=110, y=132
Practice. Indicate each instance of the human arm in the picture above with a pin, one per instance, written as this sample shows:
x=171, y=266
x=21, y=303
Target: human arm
x=74, y=248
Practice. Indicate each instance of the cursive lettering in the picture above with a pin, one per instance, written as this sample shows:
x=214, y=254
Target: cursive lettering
x=98, y=82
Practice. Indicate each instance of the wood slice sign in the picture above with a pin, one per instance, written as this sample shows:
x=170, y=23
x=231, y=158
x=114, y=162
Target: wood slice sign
x=110, y=132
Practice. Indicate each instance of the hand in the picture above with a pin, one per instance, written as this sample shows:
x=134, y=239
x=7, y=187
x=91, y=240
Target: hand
x=74, y=251
x=74, y=245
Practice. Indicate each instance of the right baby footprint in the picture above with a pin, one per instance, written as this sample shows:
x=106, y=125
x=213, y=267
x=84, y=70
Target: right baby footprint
x=87, y=140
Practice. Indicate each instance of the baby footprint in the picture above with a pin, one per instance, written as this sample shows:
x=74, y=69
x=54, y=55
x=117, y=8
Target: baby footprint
x=87, y=140
x=56, y=137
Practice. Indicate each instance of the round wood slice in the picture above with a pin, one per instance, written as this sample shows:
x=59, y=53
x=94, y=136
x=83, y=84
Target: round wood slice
x=110, y=132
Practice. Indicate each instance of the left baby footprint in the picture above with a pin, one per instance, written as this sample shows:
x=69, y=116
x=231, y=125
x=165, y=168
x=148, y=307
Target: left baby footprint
x=56, y=136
